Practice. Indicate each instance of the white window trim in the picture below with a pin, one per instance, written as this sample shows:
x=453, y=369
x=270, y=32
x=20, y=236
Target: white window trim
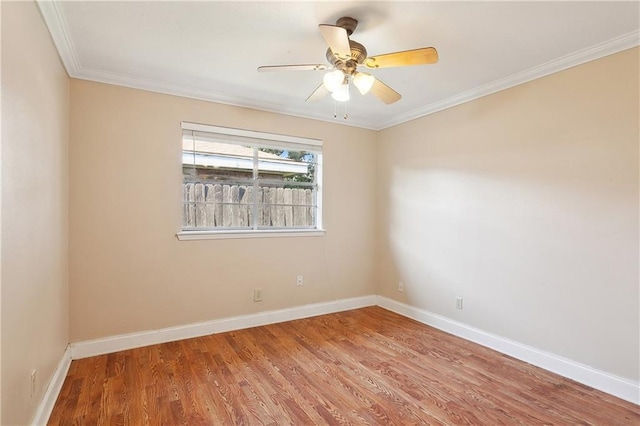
x=229, y=131
x=225, y=234
x=284, y=140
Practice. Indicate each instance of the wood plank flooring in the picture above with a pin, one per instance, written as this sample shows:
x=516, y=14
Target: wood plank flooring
x=366, y=366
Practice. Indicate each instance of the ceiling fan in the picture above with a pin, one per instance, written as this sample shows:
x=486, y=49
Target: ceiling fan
x=346, y=55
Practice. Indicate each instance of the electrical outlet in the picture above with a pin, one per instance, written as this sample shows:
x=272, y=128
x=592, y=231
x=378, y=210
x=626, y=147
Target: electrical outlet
x=400, y=286
x=459, y=303
x=257, y=295
x=34, y=376
x=299, y=281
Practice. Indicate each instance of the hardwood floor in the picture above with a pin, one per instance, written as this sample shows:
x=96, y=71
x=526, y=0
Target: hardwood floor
x=366, y=366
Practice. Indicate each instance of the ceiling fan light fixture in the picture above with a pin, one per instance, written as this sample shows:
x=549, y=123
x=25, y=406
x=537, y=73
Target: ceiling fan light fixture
x=346, y=55
x=363, y=82
x=341, y=94
x=333, y=80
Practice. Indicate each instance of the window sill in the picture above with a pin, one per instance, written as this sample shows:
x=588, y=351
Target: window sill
x=217, y=235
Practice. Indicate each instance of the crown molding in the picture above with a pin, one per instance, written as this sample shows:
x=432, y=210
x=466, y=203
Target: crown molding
x=168, y=88
x=57, y=27
x=615, y=45
x=56, y=23
x=54, y=19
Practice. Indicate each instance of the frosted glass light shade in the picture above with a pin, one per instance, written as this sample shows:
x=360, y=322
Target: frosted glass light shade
x=333, y=80
x=341, y=94
x=363, y=82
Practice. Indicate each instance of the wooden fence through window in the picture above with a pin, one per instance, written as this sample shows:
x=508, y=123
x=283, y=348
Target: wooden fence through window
x=231, y=206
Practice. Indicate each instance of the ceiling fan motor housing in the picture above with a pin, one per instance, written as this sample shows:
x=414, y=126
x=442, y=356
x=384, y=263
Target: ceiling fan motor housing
x=358, y=51
x=358, y=55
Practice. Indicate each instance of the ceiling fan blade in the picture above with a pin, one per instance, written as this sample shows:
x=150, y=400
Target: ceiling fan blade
x=300, y=67
x=426, y=55
x=385, y=93
x=318, y=94
x=337, y=39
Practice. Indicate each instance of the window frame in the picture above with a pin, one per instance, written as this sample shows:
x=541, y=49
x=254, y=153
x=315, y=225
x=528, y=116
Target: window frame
x=266, y=140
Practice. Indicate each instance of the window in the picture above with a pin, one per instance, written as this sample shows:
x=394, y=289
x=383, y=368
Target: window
x=245, y=183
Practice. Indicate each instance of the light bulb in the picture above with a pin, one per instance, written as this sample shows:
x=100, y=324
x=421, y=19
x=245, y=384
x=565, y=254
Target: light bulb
x=341, y=94
x=333, y=80
x=363, y=82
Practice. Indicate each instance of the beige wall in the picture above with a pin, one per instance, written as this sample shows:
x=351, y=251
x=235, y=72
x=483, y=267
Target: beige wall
x=129, y=273
x=35, y=102
x=524, y=203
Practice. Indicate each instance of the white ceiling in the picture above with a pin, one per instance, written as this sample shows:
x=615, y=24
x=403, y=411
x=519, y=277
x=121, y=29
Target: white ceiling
x=210, y=50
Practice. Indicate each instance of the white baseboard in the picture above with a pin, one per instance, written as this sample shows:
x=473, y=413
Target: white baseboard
x=617, y=386
x=136, y=340
x=53, y=390
x=611, y=384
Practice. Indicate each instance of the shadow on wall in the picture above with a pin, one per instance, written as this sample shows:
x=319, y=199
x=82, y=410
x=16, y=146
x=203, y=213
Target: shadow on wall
x=537, y=241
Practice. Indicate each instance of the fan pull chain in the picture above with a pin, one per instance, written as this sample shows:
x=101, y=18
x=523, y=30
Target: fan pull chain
x=335, y=110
